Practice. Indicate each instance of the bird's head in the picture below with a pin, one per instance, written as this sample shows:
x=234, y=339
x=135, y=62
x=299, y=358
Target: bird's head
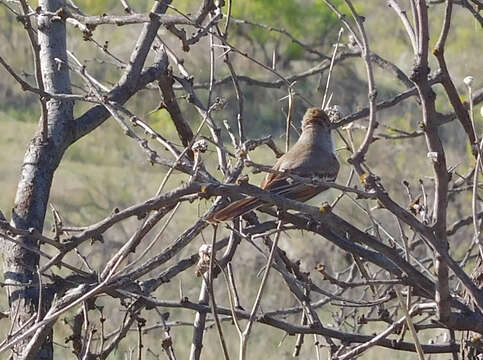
x=315, y=117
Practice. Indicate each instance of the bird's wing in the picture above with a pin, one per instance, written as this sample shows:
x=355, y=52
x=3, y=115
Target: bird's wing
x=295, y=189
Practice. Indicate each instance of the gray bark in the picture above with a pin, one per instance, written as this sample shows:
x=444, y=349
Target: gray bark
x=40, y=162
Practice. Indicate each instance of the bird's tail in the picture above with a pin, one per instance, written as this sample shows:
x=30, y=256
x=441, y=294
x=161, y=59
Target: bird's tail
x=235, y=209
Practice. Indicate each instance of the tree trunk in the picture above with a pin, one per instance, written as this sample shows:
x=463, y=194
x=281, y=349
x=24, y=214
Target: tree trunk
x=40, y=162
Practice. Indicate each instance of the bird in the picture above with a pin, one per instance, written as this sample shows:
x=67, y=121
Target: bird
x=313, y=155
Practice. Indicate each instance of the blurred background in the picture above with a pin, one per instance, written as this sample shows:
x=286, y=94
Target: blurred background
x=105, y=169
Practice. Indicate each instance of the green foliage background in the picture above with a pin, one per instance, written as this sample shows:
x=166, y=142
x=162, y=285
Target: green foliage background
x=105, y=169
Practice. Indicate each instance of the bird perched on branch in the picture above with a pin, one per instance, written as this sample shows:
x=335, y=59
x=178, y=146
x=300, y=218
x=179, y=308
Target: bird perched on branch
x=313, y=155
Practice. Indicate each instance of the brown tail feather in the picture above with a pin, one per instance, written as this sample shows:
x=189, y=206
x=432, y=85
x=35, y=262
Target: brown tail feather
x=235, y=209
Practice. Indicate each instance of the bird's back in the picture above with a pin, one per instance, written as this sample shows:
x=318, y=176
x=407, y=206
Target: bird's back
x=311, y=155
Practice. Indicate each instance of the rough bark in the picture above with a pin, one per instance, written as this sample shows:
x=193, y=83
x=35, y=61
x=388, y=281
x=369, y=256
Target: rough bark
x=40, y=161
